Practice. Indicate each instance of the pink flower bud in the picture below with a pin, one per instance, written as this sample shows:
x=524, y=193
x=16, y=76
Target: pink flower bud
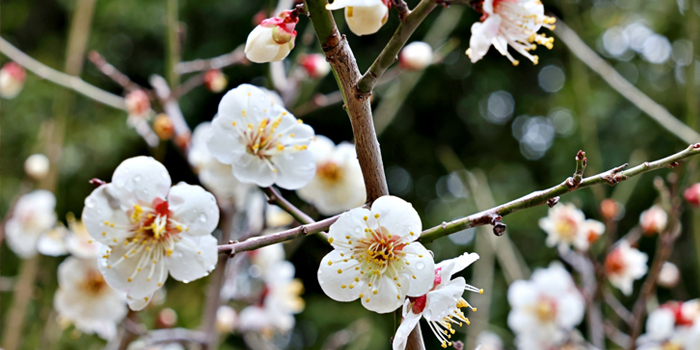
x=669, y=275
x=137, y=103
x=226, y=319
x=315, y=65
x=272, y=39
x=653, y=220
x=12, y=77
x=416, y=56
x=167, y=318
x=692, y=195
x=215, y=81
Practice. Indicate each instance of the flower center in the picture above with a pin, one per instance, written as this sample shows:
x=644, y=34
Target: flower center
x=567, y=228
x=330, y=172
x=671, y=346
x=546, y=310
x=614, y=264
x=94, y=283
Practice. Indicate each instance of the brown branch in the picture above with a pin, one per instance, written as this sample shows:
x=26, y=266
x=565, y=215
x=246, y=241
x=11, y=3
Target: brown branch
x=110, y=71
x=317, y=102
x=236, y=56
x=274, y=197
x=187, y=86
x=618, y=308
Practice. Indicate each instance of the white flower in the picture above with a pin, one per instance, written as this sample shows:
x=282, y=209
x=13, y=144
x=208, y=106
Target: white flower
x=280, y=302
x=226, y=319
x=669, y=275
x=441, y=305
x=33, y=216
x=416, y=56
x=263, y=142
x=12, y=77
x=150, y=229
x=566, y=226
x=338, y=184
x=79, y=242
x=546, y=308
x=363, y=17
x=315, y=65
x=668, y=329
x=85, y=299
x=272, y=39
x=37, y=166
x=653, y=220
x=624, y=265
x=214, y=175
x=53, y=243
x=514, y=23
x=376, y=257
x=488, y=340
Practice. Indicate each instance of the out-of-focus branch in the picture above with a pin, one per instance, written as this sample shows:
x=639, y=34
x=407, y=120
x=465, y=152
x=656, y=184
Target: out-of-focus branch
x=317, y=102
x=274, y=197
x=174, y=335
x=493, y=216
x=622, y=86
x=187, y=86
x=172, y=109
x=618, y=308
x=109, y=70
x=236, y=56
x=615, y=335
x=390, y=52
x=59, y=78
x=173, y=53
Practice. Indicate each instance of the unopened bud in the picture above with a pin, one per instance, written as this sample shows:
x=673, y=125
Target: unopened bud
x=12, y=77
x=167, y=318
x=364, y=20
x=163, y=127
x=653, y=220
x=416, y=56
x=315, y=65
x=37, y=166
x=692, y=195
x=226, y=319
x=610, y=209
x=215, y=81
x=137, y=103
x=669, y=275
x=272, y=39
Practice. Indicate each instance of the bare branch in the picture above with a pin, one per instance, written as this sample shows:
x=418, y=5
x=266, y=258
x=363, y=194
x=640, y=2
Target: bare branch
x=236, y=56
x=59, y=78
x=274, y=197
x=617, y=307
x=317, y=102
x=112, y=72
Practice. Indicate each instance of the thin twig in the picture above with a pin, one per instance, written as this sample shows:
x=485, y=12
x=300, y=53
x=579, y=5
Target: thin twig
x=63, y=79
x=187, y=86
x=236, y=56
x=622, y=86
x=174, y=335
x=274, y=197
x=317, y=102
x=390, y=52
x=615, y=335
x=109, y=70
x=172, y=109
x=617, y=307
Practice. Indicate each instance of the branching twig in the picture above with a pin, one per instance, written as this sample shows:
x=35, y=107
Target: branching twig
x=236, y=56
x=390, y=52
x=187, y=86
x=63, y=79
x=622, y=86
x=274, y=197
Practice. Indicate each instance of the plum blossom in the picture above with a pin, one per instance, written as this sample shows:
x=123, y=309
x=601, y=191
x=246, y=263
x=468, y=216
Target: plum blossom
x=416, y=56
x=545, y=309
x=12, y=77
x=669, y=276
x=566, y=226
x=624, y=265
x=226, y=319
x=672, y=326
x=79, y=243
x=280, y=301
x=338, y=183
x=376, y=257
x=653, y=220
x=363, y=17
x=138, y=105
x=272, y=39
x=37, y=166
x=315, y=65
x=84, y=298
x=215, y=81
x=214, y=175
x=32, y=221
x=510, y=22
x=266, y=143
x=692, y=194
x=149, y=229
x=441, y=306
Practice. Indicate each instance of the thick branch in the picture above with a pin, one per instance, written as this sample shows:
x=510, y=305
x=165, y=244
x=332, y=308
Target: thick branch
x=236, y=56
x=534, y=199
x=390, y=53
x=622, y=86
x=65, y=80
x=342, y=60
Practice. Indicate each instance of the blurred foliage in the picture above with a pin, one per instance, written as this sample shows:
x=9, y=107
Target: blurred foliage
x=450, y=107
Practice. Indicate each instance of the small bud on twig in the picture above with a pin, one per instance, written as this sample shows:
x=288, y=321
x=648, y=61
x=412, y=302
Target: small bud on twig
x=96, y=182
x=553, y=201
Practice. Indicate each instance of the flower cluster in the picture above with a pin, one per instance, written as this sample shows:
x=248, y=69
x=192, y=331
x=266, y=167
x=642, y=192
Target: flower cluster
x=566, y=226
x=675, y=325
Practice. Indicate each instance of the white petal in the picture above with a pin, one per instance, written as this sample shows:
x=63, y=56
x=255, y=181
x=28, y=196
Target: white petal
x=225, y=143
x=482, y=37
x=366, y=20
x=193, y=258
x=422, y=268
x=398, y=216
x=260, y=47
x=295, y=169
x=252, y=169
x=521, y=321
x=521, y=293
x=322, y=148
x=52, y=242
x=194, y=207
x=389, y=297
x=351, y=223
x=331, y=281
x=339, y=4
x=452, y=266
x=410, y=321
x=140, y=180
x=570, y=309
x=21, y=242
x=138, y=304
x=198, y=155
x=442, y=301
x=118, y=276
x=102, y=210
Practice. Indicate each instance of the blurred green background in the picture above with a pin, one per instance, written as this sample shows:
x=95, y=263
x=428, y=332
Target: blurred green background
x=521, y=126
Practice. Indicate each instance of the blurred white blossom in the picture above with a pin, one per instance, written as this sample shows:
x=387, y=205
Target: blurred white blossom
x=363, y=17
x=566, y=226
x=624, y=265
x=653, y=220
x=32, y=219
x=417, y=55
x=37, y=166
x=12, y=77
